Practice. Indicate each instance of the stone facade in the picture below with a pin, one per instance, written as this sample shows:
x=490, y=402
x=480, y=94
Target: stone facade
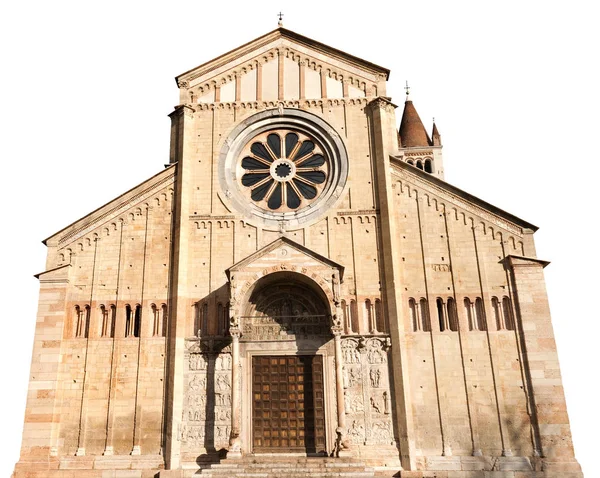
x=293, y=222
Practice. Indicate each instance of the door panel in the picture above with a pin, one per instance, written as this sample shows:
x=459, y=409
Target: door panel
x=288, y=403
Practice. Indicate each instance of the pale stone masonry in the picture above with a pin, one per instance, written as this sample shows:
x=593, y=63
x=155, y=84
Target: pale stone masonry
x=299, y=281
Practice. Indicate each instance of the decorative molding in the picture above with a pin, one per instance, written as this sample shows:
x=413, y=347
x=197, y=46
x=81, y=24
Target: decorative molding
x=458, y=201
x=118, y=209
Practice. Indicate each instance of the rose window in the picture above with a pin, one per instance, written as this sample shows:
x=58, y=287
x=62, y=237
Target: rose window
x=283, y=170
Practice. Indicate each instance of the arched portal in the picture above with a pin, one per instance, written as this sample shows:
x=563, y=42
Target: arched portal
x=286, y=333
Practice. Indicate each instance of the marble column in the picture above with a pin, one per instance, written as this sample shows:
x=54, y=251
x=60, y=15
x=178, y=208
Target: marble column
x=343, y=443
x=235, y=441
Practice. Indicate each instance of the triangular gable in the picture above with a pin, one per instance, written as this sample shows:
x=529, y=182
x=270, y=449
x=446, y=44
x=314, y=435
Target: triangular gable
x=234, y=73
x=117, y=206
x=460, y=198
x=308, y=255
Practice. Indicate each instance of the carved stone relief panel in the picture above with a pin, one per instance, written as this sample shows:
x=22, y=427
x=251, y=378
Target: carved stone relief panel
x=206, y=420
x=367, y=398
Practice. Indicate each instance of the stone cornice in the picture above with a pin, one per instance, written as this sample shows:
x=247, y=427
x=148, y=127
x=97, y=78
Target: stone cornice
x=113, y=208
x=264, y=40
x=462, y=199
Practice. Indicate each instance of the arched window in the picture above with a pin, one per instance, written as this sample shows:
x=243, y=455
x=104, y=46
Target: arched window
x=379, y=318
x=420, y=165
x=85, y=323
x=347, y=326
x=441, y=313
x=369, y=316
x=128, y=321
x=425, y=322
x=498, y=315
x=113, y=320
x=428, y=167
x=414, y=314
x=137, y=326
x=164, y=322
x=78, y=321
x=480, y=313
x=104, y=322
x=509, y=320
x=354, y=316
x=411, y=162
x=452, y=314
x=469, y=306
x=226, y=319
x=155, y=320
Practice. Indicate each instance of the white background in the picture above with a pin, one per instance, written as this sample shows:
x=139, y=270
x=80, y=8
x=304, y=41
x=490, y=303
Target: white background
x=86, y=87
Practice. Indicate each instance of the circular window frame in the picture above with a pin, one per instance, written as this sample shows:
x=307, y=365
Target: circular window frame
x=286, y=118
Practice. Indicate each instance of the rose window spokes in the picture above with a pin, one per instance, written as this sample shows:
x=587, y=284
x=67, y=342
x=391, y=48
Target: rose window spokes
x=283, y=170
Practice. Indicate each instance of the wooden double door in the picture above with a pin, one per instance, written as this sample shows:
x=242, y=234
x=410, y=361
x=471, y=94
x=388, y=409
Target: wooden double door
x=288, y=406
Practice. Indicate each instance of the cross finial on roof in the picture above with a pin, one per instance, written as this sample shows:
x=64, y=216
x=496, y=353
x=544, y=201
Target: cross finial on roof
x=280, y=16
x=407, y=88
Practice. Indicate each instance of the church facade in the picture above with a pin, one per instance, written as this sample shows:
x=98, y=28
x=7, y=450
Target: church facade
x=299, y=281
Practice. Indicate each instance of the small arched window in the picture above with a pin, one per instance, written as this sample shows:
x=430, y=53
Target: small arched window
x=452, y=314
x=420, y=165
x=480, y=313
x=78, y=321
x=164, y=321
x=137, y=325
x=379, y=318
x=113, y=320
x=128, y=321
x=354, y=316
x=469, y=310
x=425, y=322
x=414, y=314
x=509, y=320
x=411, y=162
x=347, y=326
x=369, y=316
x=104, y=322
x=441, y=314
x=155, y=320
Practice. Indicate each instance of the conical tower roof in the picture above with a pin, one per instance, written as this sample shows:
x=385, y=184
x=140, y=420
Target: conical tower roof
x=412, y=131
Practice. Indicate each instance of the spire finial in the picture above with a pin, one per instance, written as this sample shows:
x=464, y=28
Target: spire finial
x=280, y=22
x=407, y=88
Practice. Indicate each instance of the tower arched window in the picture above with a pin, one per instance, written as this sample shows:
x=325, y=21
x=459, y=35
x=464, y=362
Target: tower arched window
x=155, y=320
x=428, y=166
x=420, y=164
